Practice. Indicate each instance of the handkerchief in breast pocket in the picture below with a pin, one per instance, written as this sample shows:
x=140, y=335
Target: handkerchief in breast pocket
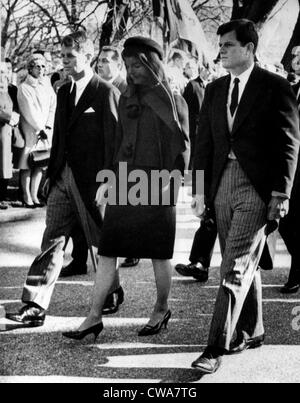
x=90, y=110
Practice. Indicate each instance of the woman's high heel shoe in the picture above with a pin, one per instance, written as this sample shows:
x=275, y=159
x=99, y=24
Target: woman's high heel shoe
x=81, y=334
x=152, y=330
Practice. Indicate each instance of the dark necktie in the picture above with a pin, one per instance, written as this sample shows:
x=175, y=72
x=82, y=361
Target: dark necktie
x=72, y=99
x=235, y=96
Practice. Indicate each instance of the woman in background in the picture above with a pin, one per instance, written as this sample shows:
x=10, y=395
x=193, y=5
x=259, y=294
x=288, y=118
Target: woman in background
x=8, y=119
x=37, y=103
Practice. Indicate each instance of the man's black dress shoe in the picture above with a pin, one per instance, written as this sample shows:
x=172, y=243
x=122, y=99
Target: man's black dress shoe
x=29, y=206
x=73, y=269
x=3, y=206
x=210, y=361
x=113, y=302
x=39, y=205
x=290, y=288
x=195, y=270
x=130, y=262
x=31, y=316
x=17, y=204
x=239, y=347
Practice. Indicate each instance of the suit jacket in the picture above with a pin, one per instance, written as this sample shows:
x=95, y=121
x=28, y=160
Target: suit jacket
x=294, y=217
x=85, y=140
x=13, y=93
x=194, y=95
x=121, y=84
x=296, y=89
x=265, y=136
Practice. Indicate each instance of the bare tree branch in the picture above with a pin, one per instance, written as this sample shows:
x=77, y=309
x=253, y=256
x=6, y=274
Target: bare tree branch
x=47, y=13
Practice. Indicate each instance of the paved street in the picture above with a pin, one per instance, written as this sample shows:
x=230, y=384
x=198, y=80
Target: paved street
x=119, y=355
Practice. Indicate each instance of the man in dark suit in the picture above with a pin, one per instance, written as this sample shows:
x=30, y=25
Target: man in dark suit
x=290, y=226
x=110, y=66
x=194, y=95
x=109, y=69
x=83, y=140
x=248, y=150
x=205, y=238
x=296, y=89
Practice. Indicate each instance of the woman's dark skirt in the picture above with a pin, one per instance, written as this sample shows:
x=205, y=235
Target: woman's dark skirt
x=146, y=232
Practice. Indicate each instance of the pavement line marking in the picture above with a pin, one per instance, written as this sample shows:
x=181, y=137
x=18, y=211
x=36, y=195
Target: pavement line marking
x=279, y=300
x=173, y=360
x=91, y=283
x=9, y=301
x=182, y=225
x=182, y=279
x=55, y=324
x=83, y=283
x=280, y=356
x=133, y=346
x=216, y=287
x=69, y=379
x=285, y=301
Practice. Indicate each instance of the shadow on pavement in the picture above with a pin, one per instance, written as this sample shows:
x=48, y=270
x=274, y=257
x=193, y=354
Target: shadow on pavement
x=9, y=327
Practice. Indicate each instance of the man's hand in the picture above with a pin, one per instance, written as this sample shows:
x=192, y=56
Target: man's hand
x=198, y=205
x=46, y=188
x=278, y=208
x=100, y=199
x=14, y=120
x=100, y=196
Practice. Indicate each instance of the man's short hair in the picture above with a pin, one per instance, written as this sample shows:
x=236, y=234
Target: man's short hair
x=244, y=29
x=80, y=41
x=117, y=54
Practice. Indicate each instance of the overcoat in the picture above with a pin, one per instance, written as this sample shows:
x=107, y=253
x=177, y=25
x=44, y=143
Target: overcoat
x=85, y=140
x=37, y=102
x=6, y=108
x=152, y=136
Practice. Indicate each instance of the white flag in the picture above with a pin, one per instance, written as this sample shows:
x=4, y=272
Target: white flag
x=276, y=32
x=184, y=24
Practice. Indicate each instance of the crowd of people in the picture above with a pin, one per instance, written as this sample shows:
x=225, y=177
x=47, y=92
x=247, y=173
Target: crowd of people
x=164, y=119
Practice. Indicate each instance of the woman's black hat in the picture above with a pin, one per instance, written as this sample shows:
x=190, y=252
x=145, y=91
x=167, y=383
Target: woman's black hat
x=140, y=43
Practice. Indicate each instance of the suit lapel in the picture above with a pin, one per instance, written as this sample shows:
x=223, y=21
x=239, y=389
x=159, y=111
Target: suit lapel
x=220, y=108
x=131, y=123
x=85, y=100
x=296, y=89
x=248, y=99
x=63, y=109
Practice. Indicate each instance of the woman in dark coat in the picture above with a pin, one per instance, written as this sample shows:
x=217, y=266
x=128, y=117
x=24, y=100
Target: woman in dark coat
x=152, y=136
